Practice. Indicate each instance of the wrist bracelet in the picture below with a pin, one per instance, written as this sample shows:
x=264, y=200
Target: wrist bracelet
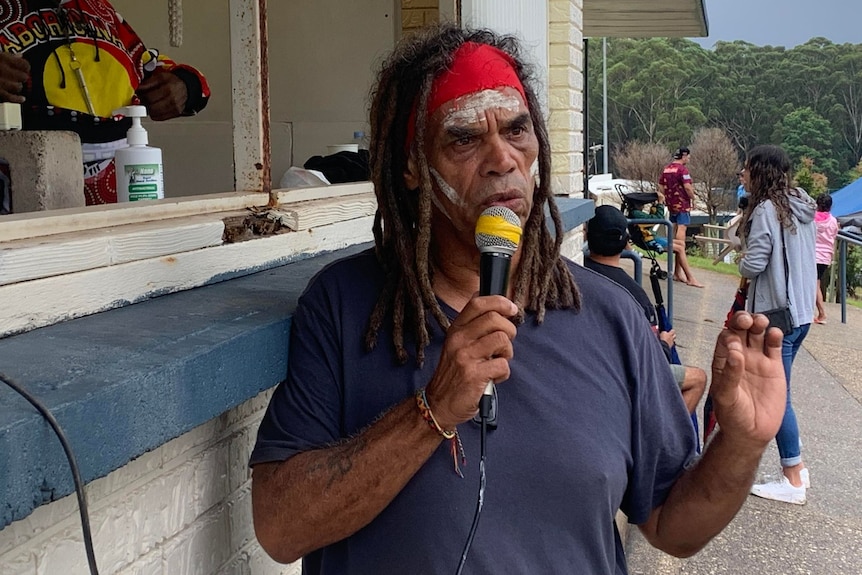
x=455, y=445
x=425, y=410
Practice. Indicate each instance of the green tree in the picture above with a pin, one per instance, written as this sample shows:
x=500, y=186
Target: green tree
x=806, y=134
x=809, y=179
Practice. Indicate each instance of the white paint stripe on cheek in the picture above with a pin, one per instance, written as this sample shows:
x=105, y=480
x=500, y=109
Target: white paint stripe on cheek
x=448, y=191
x=471, y=109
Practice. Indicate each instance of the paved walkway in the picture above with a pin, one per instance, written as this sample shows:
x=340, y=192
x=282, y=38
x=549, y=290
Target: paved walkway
x=824, y=537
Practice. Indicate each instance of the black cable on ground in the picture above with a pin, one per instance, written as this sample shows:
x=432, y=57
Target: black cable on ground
x=76, y=475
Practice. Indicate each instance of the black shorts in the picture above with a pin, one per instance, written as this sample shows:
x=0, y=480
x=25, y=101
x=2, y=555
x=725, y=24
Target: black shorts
x=821, y=268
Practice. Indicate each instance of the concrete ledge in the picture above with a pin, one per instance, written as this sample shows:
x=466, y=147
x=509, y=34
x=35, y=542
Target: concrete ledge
x=45, y=169
x=126, y=381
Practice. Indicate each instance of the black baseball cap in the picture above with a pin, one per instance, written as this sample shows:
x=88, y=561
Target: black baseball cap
x=607, y=231
x=680, y=152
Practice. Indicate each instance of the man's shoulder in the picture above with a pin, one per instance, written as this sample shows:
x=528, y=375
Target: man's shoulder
x=348, y=275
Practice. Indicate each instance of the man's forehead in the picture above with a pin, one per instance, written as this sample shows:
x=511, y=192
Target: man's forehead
x=472, y=108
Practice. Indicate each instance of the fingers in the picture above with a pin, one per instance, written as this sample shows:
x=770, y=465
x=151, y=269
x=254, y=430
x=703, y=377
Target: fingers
x=14, y=74
x=477, y=350
x=164, y=95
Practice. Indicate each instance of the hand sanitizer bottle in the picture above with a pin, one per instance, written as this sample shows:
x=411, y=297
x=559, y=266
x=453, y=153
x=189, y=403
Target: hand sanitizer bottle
x=139, y=167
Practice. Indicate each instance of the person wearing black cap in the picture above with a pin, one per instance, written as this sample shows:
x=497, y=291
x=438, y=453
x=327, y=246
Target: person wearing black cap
x=607, y=237
x=676, y=187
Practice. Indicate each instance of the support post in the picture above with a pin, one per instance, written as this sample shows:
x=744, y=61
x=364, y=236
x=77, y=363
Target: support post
x=250, y=79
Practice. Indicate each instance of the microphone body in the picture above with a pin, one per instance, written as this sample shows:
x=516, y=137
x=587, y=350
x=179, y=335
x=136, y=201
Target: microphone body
x=498, y=233
x=494, y=272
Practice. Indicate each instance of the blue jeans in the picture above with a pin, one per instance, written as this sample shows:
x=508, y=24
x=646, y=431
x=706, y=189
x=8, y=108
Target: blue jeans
x=789, y=445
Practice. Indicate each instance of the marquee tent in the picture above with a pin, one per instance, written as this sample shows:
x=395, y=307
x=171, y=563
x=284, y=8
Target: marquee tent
x=848, y=200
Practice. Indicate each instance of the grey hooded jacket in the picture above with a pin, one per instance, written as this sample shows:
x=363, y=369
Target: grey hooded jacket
x=763, y=259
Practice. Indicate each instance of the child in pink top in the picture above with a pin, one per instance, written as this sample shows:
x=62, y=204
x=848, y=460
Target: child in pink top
x=827, y=229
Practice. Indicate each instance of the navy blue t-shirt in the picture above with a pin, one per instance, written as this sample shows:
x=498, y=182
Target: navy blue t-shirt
x=590, y=421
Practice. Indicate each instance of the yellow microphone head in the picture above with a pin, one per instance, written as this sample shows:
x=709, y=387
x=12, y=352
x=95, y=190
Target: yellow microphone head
x=498, y=229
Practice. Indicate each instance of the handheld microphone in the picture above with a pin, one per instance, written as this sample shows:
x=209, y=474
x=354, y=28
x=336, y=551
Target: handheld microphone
x=498, y=233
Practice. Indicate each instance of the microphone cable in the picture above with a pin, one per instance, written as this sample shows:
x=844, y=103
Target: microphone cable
x=484, y=414
x=76, y=475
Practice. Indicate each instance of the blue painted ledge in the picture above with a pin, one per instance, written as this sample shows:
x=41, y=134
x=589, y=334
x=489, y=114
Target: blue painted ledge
x=126, y=381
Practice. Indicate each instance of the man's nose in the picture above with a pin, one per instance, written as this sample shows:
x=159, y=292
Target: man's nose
x=499, y=156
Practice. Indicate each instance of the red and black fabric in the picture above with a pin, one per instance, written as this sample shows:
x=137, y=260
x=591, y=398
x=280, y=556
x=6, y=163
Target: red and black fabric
x=112, y=57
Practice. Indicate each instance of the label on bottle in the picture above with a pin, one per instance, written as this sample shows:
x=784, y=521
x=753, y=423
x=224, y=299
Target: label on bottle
x=144, y=180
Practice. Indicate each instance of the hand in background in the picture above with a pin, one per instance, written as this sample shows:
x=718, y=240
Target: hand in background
x=669, y=337
x=14, y=73
x=164, y=94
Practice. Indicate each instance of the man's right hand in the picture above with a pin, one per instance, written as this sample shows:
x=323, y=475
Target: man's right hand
x=14, y=73
x=477, y=350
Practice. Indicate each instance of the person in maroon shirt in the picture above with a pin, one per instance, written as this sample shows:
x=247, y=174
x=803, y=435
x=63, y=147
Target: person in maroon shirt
x=675, y=186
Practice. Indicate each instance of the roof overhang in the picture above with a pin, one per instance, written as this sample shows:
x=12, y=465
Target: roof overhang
x=645, y=18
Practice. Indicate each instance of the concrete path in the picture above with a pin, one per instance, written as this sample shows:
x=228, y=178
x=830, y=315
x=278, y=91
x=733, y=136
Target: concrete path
x=823, y=537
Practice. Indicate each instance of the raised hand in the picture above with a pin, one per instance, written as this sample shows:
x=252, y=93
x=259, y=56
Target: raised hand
x=748, y=387
x=14, y=73
x=477, y=350
x=164, y=94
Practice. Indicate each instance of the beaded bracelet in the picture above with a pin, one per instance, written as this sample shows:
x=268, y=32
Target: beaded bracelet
x=425, y=410
x=456, y=447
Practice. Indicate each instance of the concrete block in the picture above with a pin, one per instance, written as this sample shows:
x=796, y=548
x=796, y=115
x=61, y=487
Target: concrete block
x=46, y=169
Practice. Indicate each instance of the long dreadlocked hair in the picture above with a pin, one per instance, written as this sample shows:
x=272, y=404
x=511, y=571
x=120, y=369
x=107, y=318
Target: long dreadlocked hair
x=402, y=224
x=769, y=176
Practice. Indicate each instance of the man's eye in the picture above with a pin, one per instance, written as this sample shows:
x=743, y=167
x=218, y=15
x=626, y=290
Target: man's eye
x=465, y=141
x=517, y=131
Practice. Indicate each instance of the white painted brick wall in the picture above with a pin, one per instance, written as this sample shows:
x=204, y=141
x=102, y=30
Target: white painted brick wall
x=565, y=95
x=182, y=509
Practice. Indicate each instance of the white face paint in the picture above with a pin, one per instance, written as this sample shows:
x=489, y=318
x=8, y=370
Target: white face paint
x=471, y=109
x=448, y=191
x=534, y=171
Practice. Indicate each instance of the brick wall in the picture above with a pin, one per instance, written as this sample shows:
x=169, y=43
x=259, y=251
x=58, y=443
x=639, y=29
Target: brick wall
x=417, y=13
x=182, y=509
x=565, y=95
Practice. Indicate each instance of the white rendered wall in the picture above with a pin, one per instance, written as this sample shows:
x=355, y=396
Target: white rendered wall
x=182, y=509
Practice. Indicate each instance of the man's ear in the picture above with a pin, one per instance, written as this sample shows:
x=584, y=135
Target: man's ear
x=411, y=172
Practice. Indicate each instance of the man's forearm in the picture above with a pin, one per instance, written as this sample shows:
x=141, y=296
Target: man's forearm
x=322, y=496
x=705, y=499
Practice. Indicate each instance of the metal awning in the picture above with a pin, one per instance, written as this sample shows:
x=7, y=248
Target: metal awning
x=645, y=18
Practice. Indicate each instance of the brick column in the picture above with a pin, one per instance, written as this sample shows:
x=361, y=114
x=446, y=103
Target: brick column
x=565, y=98
x=46, y=169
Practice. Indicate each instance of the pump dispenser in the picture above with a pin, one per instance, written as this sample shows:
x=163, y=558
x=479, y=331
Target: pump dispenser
x=139, y=167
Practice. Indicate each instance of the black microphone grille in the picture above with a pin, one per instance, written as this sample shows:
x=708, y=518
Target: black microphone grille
x=498, y=229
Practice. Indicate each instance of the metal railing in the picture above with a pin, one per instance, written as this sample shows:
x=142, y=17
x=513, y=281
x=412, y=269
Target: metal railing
x=669, y=251
x=845, y=238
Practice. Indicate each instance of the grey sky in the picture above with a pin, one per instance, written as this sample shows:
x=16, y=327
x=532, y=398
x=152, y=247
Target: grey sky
x=783, y=22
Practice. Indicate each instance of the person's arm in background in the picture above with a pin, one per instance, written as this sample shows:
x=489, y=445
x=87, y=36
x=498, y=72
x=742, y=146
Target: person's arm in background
x=14, y=73
x=686, y=182
x=168, y=89
x=758, y=244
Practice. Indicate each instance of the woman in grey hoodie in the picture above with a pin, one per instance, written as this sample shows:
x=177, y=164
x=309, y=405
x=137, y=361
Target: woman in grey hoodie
x=777, y=232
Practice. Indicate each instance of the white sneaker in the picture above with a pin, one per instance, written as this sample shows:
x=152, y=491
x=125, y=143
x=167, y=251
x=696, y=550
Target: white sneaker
x=806, y=481
x=781, y=490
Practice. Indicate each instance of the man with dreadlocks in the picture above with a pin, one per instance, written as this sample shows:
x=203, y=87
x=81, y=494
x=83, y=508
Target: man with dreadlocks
x=391, y=351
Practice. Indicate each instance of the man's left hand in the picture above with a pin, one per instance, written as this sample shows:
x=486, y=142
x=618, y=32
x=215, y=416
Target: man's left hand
x=748, y=385
x=164, y=94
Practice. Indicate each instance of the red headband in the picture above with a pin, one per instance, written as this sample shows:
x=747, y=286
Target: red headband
x=475, y=67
